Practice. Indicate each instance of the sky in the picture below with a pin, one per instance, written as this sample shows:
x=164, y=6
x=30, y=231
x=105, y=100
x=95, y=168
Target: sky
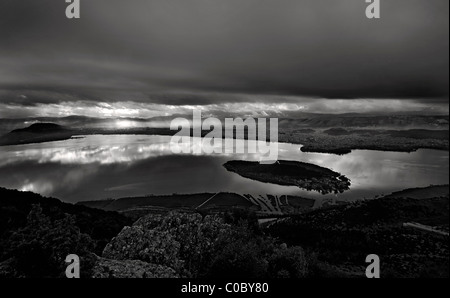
x=147, y=58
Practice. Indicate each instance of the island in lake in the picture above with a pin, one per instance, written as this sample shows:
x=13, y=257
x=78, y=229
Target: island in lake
x=292, y=173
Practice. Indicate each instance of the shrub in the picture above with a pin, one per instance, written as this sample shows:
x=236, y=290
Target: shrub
x=288, y=263
x=39, y=249
x=151, y=246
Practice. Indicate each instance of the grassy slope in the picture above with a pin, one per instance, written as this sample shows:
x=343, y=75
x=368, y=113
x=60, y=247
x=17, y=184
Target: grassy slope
x=220, y=201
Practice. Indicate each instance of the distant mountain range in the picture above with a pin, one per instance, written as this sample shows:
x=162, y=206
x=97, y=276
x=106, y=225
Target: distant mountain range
x=288, y=119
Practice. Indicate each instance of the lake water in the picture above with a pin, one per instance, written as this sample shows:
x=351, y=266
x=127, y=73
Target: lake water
x=97, y=167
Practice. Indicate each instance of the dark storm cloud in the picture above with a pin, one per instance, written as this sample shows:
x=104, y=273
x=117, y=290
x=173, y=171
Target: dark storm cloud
x=209, y=51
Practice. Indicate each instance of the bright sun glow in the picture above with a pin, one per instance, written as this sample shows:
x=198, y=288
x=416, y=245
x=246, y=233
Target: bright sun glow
x=124, y=124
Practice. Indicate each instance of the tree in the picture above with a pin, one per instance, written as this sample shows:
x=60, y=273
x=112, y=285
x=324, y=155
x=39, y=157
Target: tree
x=39, y=249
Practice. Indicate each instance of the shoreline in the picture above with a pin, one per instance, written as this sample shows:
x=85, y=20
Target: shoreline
x=266, y=206
x=313, y=142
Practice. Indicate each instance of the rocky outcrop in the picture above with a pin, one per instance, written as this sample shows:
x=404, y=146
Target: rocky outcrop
x=150, y=246
x=186, y=243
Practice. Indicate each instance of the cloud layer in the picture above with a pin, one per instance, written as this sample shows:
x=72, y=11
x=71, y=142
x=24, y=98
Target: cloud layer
x=203, y=52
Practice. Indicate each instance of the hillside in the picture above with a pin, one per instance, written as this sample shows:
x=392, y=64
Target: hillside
x=422, y=192
x=175, y=201
x=344, y=235
x=40, y=128
x=367, y=121
x=206, y=203
x=36, y=133
x=15, y=206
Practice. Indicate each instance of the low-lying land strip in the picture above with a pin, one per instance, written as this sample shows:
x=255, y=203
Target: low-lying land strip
x=333, y=140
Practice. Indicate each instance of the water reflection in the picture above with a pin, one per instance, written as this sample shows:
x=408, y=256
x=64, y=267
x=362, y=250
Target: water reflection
x=96, y=167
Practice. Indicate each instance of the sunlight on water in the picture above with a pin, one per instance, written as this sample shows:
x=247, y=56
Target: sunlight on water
x=95, y=167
